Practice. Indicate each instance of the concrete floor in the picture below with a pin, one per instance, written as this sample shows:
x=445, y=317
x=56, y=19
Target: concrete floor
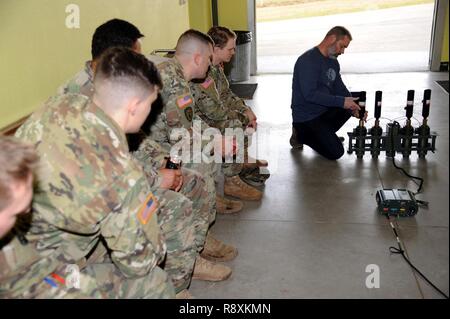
x=317, y=228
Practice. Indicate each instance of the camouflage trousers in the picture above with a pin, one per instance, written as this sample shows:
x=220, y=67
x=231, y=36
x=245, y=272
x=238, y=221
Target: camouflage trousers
x=206, y=203
x=235, y=168
x=102, y=281
x=28, y=282
x=58, y=290
x=176, y=220
x=197, y=188
x=113, y=285
x=232, y=169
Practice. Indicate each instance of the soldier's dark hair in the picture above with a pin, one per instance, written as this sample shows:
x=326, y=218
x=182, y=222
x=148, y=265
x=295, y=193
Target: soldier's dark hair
x=17, y=162
x=114, y=33
x=132, y=69
x=339, y=32
x=221, y=36
x=195, y=35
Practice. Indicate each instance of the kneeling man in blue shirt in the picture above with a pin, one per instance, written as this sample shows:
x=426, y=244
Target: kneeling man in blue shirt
x=321, y=104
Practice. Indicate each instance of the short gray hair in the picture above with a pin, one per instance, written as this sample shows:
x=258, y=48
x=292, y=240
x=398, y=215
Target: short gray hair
x=339, y=32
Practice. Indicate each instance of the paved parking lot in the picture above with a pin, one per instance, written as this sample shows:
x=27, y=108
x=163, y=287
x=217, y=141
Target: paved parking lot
x=392, y=40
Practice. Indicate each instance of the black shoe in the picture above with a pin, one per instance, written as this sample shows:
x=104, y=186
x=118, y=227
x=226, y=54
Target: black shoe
x=294, y=140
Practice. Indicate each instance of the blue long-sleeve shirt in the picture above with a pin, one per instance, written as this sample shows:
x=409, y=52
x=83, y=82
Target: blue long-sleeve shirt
x=316, y=86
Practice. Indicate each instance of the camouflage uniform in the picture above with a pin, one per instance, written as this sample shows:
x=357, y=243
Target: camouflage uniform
x=151, y=156
x=82, y=83
x=211, y=98
x=16, y=281
x=194, y=187
x=228, y=98
x=178, y=112
x=236, y=107
x=89, y=189
x=217, y=107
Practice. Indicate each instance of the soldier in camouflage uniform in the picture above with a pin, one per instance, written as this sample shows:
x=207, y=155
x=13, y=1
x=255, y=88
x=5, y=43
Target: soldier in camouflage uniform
x=114, y=33
x=210, y=108
x=221, y=108
x=17, y=164
x=18, y=161
x=152, y=156
x=191, y=61
x=192, y=190
x=90, y=190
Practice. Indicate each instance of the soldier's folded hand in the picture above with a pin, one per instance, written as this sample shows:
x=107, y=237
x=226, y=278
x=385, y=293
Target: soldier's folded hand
x=172, y=179
x=226, y=144
x=251, y=119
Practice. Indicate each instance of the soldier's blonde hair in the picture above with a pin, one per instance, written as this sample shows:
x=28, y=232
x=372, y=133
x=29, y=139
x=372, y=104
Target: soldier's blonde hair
x=17, y=161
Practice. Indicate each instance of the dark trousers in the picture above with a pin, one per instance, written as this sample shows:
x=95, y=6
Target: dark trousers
x=320, y=133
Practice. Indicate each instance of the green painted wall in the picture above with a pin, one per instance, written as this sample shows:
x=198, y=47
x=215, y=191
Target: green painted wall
x=444, y=54
x=38, y=52
x=200, y=16
x=233, y=14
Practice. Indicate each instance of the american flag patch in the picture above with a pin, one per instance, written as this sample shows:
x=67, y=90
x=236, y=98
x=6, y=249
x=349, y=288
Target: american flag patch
x=148, y=208
x=207, y=82
x=184, y=101
x=51, y=281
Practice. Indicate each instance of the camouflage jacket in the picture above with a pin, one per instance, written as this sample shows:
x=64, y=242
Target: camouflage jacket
x=229, y=99
x=83, y=83
x=211, y=108
x=178, y=110
x=88, y=186
x=22, y=268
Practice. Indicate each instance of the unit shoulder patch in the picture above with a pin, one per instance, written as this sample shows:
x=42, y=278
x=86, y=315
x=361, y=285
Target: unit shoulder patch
x=189, y=113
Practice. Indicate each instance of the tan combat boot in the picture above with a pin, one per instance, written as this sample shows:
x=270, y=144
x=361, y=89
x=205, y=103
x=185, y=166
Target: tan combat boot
x=236, y=187
x=209, y=271
x=215, y=250
x=184, y=294
x=228, y=206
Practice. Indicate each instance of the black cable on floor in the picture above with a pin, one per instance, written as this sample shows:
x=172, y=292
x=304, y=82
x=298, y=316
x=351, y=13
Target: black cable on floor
x=400, y=251
x=400, y=168
x=410, y=176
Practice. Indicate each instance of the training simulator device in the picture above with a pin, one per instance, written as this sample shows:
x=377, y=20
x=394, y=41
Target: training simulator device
x=396, y=139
